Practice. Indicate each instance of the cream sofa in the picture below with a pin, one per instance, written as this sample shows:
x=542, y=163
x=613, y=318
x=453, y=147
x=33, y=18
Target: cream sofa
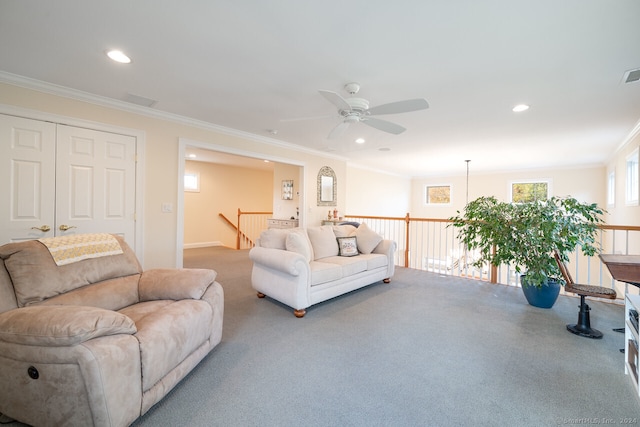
x=302, y=267
x=94, y=340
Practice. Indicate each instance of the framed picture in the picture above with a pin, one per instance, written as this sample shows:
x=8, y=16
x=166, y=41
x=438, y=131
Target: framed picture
x=287, y=189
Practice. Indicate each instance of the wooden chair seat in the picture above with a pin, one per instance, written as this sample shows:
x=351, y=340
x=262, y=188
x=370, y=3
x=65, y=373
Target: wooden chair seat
x=591, y=291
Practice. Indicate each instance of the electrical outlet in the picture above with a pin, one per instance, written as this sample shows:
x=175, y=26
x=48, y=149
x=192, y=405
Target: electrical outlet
x=167, y=207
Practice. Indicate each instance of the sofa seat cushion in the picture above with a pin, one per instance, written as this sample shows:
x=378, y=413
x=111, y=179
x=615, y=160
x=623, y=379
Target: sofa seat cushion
x=349, y=265
x=168, y=331
x=323, y=272
x=375, y=260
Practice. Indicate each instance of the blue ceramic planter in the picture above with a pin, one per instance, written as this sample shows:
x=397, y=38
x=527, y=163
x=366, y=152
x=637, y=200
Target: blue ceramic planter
x=540, y=296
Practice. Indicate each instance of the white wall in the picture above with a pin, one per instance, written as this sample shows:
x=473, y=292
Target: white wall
x=161, y=179
x=286, y=209
x=223, y=190
x=586, y=184
x=360, y=191
x=619, y=212
x=371, y=193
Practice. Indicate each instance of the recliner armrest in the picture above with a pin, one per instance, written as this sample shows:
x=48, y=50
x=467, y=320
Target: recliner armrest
x=61, y=325
x=175, y=283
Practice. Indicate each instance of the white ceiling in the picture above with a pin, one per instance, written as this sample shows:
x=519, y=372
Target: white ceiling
x=255, y=65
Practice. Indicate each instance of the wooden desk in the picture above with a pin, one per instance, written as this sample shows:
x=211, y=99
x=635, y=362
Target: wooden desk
x=623, y=268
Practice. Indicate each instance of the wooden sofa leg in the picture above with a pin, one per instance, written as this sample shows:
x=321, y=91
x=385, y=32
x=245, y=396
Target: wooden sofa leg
x=387, y=280
x=299, y=313
x=261, y=295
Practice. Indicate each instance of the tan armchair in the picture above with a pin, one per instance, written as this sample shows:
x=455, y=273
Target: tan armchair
x=98, y=342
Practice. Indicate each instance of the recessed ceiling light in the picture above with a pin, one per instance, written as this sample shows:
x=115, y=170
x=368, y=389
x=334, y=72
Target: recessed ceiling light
x=360, y=141
x=118, y=56
x=520, y=108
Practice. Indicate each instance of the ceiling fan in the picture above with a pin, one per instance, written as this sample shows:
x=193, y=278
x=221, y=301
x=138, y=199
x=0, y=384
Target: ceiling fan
x=356, y=110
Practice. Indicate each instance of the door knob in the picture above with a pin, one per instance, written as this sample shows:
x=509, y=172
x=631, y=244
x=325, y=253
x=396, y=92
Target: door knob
x=43, y=228
x=64, y=227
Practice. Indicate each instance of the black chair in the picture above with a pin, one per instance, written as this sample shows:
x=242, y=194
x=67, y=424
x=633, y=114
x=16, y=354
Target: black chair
x=583, y=327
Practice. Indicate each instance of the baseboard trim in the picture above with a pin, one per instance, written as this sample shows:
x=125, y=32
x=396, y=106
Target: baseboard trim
x=201, y=245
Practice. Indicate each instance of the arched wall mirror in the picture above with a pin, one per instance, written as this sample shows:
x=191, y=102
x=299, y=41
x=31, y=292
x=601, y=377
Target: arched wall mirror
x=327, y=194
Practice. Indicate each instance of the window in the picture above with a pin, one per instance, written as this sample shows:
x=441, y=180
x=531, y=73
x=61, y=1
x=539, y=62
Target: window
x=192, y=181
x=437, y=195
x=529, y=191
x=611, y=189
x=632, y=179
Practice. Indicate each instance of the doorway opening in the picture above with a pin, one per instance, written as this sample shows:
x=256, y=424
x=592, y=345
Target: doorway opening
x=225, y=180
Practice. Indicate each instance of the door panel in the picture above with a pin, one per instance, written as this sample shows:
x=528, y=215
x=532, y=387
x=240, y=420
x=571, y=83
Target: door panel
x=59, y=179
x=96, y=182
x=27, y=153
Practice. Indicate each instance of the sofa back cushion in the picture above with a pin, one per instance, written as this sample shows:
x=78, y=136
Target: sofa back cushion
x=36, y=277
x=343, y=230
x=367, y=238
x=298, y=241
x=274, y=238
x=323, y=241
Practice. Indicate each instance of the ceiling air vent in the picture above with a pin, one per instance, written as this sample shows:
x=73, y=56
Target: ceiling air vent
x=631, y=76
x=140, y=100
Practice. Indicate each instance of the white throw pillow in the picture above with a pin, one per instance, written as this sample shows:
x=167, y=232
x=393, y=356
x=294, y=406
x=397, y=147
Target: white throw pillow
x=297, y=241
x=343, y=230
x=323, y=241
x=367, y=238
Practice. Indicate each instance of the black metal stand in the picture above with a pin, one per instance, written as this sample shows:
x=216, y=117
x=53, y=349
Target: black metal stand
x=583, y=327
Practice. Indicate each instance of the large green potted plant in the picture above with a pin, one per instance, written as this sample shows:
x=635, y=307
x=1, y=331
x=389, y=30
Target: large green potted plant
x=524, y=236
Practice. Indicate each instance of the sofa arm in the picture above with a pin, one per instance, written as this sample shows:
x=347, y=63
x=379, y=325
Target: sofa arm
x=175, y=283
x=386, y=247
x=61, y=325
x=288, y=262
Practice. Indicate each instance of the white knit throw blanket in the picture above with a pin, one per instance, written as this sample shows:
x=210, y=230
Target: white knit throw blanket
x=76, y=247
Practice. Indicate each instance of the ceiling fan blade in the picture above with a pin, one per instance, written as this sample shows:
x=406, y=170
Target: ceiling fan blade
x=335, y=99
x=383, y=125
x=338, y=130
x=400, y=107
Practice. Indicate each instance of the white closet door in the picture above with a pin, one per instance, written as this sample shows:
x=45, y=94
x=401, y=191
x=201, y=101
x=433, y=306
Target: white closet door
x=95, y=180
x=27, y=171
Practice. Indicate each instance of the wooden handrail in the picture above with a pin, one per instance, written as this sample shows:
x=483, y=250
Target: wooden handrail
x=493, y=270
x=239, y=233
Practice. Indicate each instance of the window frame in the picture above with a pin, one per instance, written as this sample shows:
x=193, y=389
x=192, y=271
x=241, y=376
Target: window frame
x=196, y=177
x=632, y=178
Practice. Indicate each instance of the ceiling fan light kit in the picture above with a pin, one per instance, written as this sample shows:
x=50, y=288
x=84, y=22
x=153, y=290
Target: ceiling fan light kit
x=356, y=110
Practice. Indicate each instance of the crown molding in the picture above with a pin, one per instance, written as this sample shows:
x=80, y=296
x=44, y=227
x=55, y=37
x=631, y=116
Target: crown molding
x=103, y=101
